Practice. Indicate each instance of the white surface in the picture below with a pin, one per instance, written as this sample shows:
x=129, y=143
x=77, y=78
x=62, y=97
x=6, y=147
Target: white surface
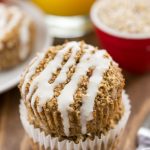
x=99, y=24
x=10, y=78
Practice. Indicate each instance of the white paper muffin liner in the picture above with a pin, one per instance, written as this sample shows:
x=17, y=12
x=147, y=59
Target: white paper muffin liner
x=49, y=143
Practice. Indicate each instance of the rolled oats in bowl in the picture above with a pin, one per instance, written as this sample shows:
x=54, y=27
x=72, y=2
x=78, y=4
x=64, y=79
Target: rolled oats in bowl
x=128, y=16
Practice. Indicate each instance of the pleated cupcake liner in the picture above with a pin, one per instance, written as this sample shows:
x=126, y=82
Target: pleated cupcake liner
x=106, y=142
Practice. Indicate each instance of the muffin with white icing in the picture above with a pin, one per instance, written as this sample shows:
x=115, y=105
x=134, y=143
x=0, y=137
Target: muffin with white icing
x=72, y=97
x=16, y=36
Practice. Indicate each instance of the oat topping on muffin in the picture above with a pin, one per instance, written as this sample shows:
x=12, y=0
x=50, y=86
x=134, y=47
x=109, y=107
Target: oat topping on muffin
x=73, y=91
x=16, y=36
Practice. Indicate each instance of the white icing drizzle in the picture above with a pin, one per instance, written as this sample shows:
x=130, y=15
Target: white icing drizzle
x=102, y=64
x=31, y=71
x=10, y=18
x=44, y=91
x=7, y=26
x=24, y=38
x=3, y=17
x=66, y=96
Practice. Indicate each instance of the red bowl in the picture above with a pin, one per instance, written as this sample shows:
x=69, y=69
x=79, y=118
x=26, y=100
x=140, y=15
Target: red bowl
x=131, y=51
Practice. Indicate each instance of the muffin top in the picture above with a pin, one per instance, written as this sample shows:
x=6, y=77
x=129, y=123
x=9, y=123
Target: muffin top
x=73, y=91
x=128, y=16
x=14, y=26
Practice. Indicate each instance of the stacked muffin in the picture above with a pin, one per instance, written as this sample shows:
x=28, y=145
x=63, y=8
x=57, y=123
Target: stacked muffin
x=16, y=36
x=72, y=98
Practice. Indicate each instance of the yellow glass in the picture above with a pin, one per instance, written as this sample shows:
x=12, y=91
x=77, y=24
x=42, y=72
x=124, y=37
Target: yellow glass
x=65, y=7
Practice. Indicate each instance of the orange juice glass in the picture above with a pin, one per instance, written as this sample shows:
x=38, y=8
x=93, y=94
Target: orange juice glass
x=67, y=18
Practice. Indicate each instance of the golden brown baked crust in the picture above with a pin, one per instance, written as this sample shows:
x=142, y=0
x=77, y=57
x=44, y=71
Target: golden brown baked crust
x=108, y=107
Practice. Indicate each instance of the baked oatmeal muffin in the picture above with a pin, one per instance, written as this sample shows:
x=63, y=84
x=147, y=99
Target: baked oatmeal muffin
x=72, y=97
x=16, y=36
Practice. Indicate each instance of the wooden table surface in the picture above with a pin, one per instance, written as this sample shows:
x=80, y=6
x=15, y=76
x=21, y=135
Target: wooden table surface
x=13, y=137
